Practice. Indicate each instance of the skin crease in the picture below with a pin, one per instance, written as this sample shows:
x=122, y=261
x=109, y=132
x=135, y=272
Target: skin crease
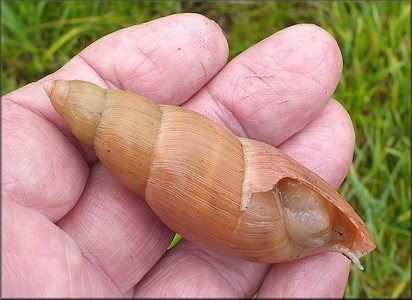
x=67, y=220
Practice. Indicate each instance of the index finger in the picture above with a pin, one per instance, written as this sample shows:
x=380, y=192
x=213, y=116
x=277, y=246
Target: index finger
x=167, y=60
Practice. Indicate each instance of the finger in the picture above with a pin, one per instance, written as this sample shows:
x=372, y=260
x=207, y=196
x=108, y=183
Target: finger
x=318, y=276
x=115, y=230
x=41, y=169
x=326, y=144
x=40, y=260
x=275, y=88
x=187, y=271
x=168, y=59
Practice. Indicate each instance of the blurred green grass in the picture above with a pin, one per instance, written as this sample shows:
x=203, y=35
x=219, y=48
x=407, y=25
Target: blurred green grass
x=375, y=39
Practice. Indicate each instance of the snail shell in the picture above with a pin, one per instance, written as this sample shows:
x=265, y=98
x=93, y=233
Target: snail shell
x=233, y=195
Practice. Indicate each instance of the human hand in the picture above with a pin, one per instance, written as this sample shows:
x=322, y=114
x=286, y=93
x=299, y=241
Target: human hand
x=71, y=230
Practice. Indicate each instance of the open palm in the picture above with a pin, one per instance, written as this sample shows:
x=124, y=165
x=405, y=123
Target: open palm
x=71, y=230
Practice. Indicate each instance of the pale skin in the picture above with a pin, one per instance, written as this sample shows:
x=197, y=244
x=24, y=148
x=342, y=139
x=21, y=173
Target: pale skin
x=71, y=230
